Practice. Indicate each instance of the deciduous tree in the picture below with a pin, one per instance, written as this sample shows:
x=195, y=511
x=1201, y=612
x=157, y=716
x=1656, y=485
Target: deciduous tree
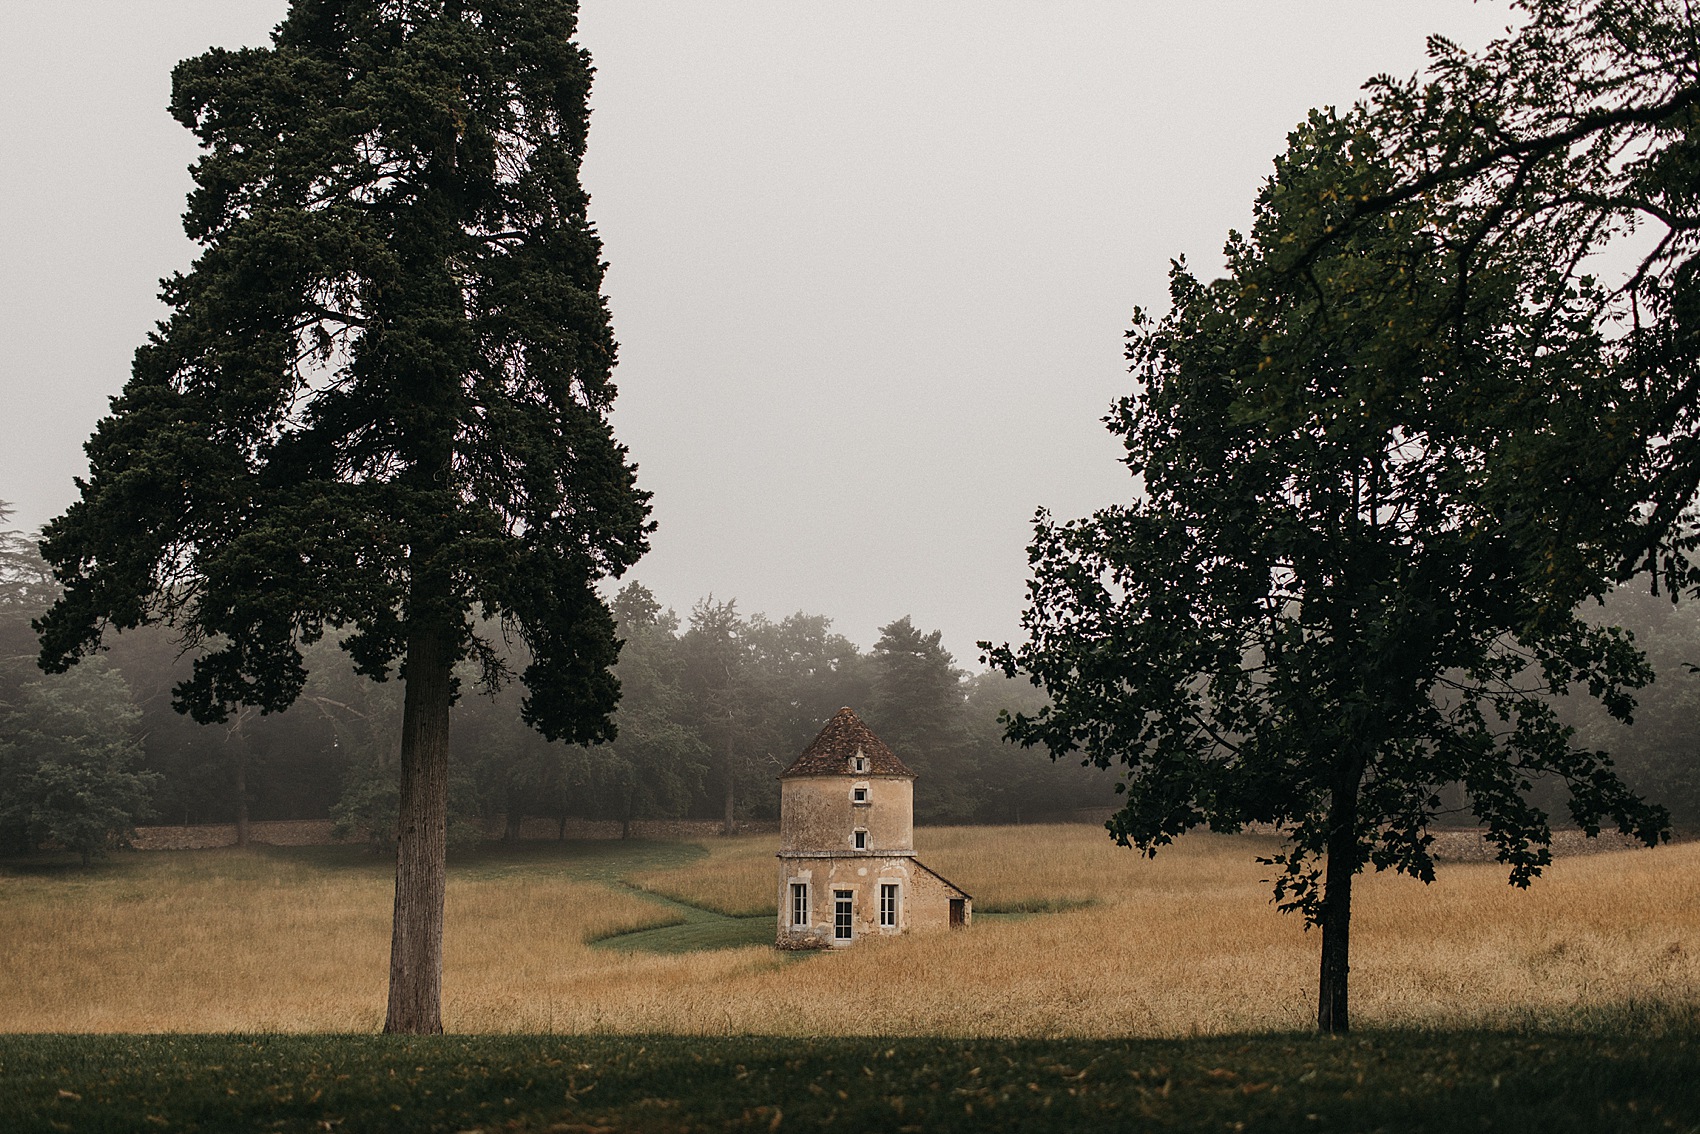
x=1338, y=587
x=380, y=401
x=26, y=582
x=659, y=763
x=719, y=675
x=917, y=706
x=68, y=755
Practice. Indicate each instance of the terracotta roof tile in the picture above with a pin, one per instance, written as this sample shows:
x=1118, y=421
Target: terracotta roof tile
x=843, y=737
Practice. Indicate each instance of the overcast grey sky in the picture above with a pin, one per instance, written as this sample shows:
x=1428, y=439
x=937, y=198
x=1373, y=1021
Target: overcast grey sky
x=870, y=263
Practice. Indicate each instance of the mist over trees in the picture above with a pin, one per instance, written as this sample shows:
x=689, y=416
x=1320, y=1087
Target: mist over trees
x=332, y=755
x=70, y=747
x=713, y=704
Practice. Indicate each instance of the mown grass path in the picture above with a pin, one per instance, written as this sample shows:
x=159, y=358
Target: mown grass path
x=1549, y=1084
x=689, y=927
x=696, y=929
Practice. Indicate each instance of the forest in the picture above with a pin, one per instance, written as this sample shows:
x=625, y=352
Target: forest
x=714, y=704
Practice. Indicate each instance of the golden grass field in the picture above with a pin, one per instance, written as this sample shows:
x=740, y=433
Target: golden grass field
x=1185, y=944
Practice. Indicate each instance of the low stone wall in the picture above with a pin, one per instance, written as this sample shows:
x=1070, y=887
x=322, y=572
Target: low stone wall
x=269, y=832
x=1473, y=846
x=1470, y=844
x=317, y=832
x=668, y=829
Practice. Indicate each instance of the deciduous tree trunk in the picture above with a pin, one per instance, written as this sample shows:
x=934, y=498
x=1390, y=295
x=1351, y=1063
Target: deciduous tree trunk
x=513, y=819
x=241, y=796
x=729, y=824
x=416, y=943
x=239, y=750
x=1331, y=1008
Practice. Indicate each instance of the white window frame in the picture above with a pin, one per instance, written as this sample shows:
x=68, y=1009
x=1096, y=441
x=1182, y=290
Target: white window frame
x=859, y=794
x=859, y=838
x=799, y=904
x=844, y=915
x=891, y=900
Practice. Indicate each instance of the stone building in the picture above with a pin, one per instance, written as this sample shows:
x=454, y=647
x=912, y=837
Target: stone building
x=847, y=865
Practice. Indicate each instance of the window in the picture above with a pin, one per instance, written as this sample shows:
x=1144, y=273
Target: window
x=859, y=795
x=861, y=840
x=799, y=903
x=843, y=907
x=888, y=905
x=861, y=764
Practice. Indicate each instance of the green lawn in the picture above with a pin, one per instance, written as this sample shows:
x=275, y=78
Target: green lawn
x=696, y=932
x=1545, y=1084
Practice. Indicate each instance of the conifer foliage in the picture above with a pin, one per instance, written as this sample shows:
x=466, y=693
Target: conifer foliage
x=380, y=401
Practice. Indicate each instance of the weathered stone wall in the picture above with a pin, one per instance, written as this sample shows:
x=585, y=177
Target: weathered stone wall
x=932, y=901
x=820, y=813
x=923, y=900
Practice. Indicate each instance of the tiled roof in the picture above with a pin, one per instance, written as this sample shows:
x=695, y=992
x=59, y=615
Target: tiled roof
x=838, y=743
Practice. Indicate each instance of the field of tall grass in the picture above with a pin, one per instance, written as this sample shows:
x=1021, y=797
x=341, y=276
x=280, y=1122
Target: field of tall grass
x=295, y=940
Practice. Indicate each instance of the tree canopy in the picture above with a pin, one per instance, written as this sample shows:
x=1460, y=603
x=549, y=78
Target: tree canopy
x=1576, y=134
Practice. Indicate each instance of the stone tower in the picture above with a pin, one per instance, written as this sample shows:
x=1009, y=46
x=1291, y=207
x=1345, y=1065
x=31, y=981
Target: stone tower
x=847, y=865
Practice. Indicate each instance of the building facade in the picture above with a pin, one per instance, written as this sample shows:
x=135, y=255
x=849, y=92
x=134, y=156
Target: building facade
x=847, y=865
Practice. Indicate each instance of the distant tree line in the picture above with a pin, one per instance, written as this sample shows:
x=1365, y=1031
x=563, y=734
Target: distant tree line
x=714, y=705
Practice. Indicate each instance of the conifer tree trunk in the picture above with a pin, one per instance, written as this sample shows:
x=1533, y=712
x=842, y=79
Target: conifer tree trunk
x=1331, y=1006
x=416, y=943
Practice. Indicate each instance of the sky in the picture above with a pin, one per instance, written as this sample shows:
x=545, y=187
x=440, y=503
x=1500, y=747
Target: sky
x=870, y=264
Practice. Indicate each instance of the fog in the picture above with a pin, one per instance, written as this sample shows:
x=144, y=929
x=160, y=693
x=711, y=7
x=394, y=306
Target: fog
x=870, y=265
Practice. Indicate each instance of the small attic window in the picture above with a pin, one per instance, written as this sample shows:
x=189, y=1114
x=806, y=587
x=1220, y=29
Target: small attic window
x=860, y=763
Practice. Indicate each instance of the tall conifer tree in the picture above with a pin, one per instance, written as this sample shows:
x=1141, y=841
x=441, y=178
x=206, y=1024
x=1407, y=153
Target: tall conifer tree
x=379, y=403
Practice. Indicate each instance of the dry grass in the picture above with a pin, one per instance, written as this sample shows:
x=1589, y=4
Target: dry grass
x=1183, y=944
x=226, y=940
x=739, y=878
